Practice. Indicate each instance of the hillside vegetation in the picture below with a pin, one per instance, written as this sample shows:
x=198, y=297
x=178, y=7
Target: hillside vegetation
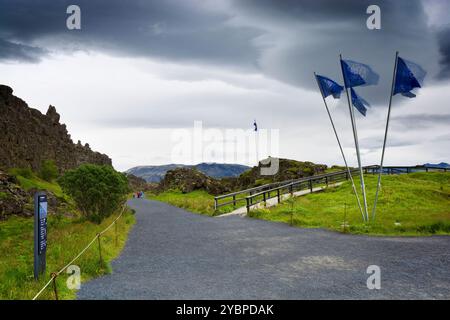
x=287, y=170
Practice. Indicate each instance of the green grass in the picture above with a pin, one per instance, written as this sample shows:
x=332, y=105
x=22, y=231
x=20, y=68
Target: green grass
x=412, y=204
x=198, y=201
x=66, y=238
x=31, y=180
x=38, y=183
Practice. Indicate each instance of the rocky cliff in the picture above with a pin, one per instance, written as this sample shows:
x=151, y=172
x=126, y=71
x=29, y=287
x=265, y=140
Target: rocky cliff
x=28, y=137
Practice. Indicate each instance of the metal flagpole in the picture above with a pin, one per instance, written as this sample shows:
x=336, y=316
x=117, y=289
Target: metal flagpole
x=355, y=136
x=256, y=143
x=385, y=136
x=340, y=147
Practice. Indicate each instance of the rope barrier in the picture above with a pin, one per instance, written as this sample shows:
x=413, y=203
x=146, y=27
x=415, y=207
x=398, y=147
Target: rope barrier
x=56, y=274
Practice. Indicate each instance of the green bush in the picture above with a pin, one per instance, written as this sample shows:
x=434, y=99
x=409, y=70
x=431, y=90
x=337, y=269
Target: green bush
x=98, y=191
x=49, y=170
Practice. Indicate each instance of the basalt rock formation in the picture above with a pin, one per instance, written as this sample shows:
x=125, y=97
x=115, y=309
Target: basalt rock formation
x=27, y=137
x=188, y=179
x=13, y=199
x=136, y=183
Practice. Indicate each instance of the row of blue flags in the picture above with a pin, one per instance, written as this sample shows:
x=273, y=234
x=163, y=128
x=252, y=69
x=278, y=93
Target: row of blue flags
x=409, y=75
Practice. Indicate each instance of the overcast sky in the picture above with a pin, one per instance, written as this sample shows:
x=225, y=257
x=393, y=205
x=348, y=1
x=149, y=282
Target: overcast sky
x=138, y=73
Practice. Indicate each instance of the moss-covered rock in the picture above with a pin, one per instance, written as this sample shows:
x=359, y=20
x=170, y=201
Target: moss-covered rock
x=188, y=179
x=288, y=170
x=13, y=199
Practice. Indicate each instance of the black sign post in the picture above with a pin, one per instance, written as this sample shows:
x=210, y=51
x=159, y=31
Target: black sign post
x=40, y=233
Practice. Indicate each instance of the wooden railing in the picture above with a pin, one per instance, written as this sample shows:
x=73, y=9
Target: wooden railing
x=253, y=196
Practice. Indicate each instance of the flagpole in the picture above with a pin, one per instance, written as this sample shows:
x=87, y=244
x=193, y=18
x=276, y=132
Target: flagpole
x=385, y=136
x=340, y=147
x=257, y=144
x=355, y=136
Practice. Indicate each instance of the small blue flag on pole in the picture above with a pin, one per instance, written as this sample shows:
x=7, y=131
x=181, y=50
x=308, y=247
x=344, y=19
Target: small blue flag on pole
x=358, y=74
x=255, y=125
x=408, y=76
x=359, y=103
x=329, y=87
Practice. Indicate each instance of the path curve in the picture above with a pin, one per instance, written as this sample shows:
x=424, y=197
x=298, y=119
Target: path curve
x=175, y=254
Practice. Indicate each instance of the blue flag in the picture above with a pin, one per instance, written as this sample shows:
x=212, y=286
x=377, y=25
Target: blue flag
x=329, y=87
x=359, y=103
x=408, y=76
x=358, y=74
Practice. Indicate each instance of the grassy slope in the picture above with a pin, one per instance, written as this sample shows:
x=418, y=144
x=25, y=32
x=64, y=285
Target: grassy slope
x=420, y=202
x=198, y=201
x=66, y=238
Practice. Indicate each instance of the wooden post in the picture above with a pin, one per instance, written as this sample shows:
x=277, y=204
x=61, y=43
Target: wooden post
x=99, y=249
x=278, y=195
x=326, y=180
x=234, y=200
x=55, y=289
x=264, y=197
x=215, y=204
x=310, y=186
x=248, y=205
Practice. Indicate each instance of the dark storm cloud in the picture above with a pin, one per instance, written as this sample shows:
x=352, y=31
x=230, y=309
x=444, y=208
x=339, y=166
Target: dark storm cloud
x=286, y=40
x=305, y=10
x=444, y=48
x=173, y=30
x=20, y=52
x=324, y=29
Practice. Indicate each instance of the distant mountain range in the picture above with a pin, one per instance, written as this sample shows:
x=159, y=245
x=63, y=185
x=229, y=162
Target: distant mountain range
x=215, y=170
x=437, y=165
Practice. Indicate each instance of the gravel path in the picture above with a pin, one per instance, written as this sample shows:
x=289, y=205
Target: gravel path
x=174, y=254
